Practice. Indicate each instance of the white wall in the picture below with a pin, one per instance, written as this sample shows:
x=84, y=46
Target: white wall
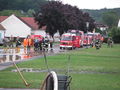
x=2, y=34
x=15, y=27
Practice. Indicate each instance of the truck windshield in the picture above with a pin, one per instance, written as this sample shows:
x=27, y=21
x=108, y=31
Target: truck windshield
x=66, y=38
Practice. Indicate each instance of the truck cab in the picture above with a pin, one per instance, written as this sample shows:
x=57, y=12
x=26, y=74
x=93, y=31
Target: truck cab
x=69, y=41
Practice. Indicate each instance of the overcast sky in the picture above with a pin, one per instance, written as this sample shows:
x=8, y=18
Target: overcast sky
x=93, y=4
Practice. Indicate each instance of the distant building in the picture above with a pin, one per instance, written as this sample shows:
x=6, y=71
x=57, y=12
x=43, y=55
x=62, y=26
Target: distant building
x=100, y=26
x=119, y=23
x=19, y=26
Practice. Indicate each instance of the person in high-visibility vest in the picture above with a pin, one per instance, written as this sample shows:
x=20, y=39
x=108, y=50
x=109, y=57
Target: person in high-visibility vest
x=29, y=43
x=25, y=45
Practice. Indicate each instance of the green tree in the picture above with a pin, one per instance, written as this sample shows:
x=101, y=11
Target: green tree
x=19, y=13
x=30, y=12
x=110, y=18
x=114, y=32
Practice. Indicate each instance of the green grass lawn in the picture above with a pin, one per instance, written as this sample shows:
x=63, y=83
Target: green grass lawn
x=101, y=69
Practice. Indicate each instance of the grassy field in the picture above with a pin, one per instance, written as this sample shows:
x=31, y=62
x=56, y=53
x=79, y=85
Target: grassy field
x=91, y=69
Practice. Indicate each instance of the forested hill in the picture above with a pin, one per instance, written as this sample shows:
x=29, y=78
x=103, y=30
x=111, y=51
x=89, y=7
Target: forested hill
x=24, y=5
x=97, y=14
x=27, y=7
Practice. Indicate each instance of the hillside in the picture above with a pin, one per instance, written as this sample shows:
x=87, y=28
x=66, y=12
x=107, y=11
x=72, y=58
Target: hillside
x=27, y=7
x=97, y=14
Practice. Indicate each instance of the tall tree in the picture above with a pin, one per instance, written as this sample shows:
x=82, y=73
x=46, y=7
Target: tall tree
x=59, y=17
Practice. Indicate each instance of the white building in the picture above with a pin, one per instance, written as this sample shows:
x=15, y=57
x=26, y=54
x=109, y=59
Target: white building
x=2, y=32
x=15, y=27
x=21, y=26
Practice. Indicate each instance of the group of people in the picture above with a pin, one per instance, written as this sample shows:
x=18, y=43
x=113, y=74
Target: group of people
x=39, y=44
x=98, y=43
x=10, y=43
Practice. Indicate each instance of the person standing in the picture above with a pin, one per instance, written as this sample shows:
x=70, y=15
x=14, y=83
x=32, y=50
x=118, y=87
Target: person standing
x=45, y=44
x=25, y=44
x=51, y=42
x=36, y=44
x=29, y=43
x=11, y=41
x=6, y=44
x=110, y=42
x=18, y=43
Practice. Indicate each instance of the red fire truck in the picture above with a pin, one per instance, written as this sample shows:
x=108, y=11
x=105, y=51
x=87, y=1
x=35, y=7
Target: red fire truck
x=37, y=36
x=96, y=36
x=87, y=40
x=72, y=39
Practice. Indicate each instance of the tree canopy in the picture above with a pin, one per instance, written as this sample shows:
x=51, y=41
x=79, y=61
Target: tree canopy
x=24, y=5
x=114, y=32
x=62, y=17
x=110, y=18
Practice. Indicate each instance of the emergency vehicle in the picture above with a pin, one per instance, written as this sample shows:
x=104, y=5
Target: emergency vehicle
x=95, y=36
x=87, y=40
x=78, y=33
x=72, y=39
x=37, y=36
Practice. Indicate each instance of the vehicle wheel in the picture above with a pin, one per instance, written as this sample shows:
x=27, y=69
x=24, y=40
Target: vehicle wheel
x=60, y=47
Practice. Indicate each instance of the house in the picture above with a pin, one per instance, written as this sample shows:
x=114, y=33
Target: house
x=119, y=23
x=20, y=26
x=2, y=32
x=100, y=26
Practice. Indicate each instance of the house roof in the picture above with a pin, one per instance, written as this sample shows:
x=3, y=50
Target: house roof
x=100, y=25
x=27, y=20
x=1, y=27
x=30, y=21
x=2, y=18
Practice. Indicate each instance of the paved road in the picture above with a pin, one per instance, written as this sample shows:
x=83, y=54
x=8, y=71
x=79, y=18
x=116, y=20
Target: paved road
x=6, y=59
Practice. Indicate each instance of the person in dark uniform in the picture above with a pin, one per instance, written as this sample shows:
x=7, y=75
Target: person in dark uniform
x=51, y=43
x=18, y=43
x=11, y=42
x=45, y=44
x=6, y=44
x=36, y=44
x=110, y=42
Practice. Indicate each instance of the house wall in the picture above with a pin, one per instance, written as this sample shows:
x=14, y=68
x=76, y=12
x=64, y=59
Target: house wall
x=2, y=34
x=14, y=26
x=103, y=28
